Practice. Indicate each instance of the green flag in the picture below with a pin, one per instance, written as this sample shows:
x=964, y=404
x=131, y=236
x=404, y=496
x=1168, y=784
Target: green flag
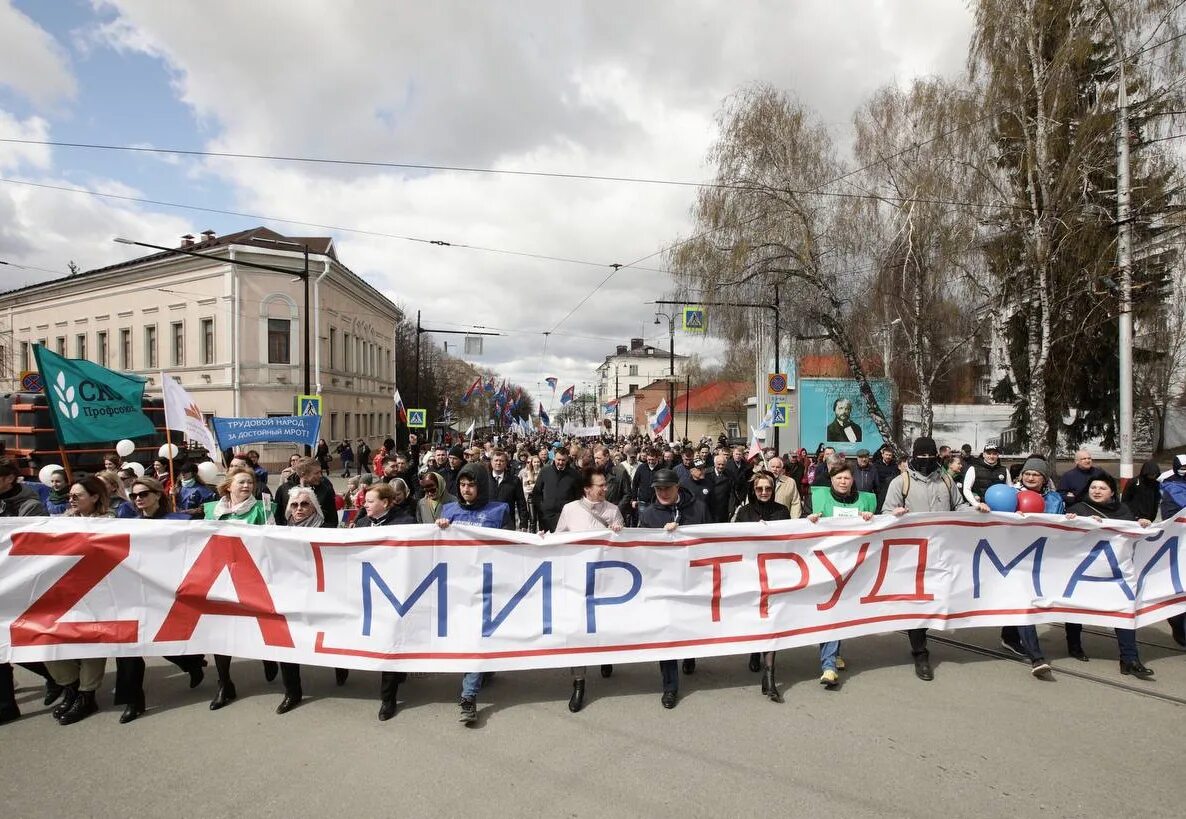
x=90, y=404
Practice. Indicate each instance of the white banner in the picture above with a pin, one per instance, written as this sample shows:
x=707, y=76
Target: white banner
x=421, y=599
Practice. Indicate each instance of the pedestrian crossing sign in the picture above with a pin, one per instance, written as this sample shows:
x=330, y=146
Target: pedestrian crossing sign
x=781, y=415
x=308, y=405
x=417, y=418
x=695, y=320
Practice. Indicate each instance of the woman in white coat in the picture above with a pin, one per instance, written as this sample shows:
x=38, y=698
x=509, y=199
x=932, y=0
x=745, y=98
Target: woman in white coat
x=590, y=512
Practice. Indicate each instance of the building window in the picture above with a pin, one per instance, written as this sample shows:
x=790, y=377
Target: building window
x=150, y=359
x=633, y=370
x=633, y=387
x=61, y=344
x=279, y=341
x=125, y=349
x=347, y=353
x=333, y=426
x=101, y=347
x=80, y=345
x=206, y=328
x=177, y=329
x=346, y=424
x=734, y=430
x=24, y=356
x=333, y=348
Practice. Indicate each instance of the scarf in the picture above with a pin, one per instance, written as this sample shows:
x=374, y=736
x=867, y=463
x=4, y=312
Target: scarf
x=60, y=497
x=224, y=507
x=848, y=499
x=314, y=520
x=598, y=510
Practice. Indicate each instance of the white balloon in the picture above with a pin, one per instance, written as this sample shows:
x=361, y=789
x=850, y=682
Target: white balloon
x=47, y=471
x=125, y=448
x=208, y=472
x=167, y=451
x=135, y=467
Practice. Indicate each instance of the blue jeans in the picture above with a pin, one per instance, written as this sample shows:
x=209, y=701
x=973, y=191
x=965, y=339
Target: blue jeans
x=1028, y=635
x=828, y=652
x=471, y=684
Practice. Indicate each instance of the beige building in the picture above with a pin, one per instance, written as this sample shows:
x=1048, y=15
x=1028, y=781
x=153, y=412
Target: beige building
x=632, y=367
x=233, y=335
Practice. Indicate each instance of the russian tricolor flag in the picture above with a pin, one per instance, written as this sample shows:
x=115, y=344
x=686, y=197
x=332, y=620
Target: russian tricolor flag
x=662, y=419
x=568, y=395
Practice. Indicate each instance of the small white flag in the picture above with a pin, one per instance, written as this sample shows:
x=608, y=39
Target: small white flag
x=469, y=433
x=183, y=414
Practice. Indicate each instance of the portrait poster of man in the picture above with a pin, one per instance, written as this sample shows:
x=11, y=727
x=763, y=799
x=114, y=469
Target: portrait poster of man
x=834, y=413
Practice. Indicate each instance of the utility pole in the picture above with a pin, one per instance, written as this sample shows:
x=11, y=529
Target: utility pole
x=1123, y=253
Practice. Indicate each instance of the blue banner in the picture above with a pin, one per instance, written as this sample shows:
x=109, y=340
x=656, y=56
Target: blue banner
x=295, y=429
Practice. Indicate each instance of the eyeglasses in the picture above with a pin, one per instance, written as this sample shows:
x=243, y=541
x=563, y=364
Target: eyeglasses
x=301, y=505
x=763, y=489
x=139, y=495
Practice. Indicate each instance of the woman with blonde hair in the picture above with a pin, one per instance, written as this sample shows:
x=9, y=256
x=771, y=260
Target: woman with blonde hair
x=236, y=502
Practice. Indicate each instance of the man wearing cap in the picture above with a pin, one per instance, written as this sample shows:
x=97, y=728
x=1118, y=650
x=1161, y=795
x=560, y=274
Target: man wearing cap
x=642, y=494
x=924, y=487
x=674, y=506
x=456, y=460
x=864, y=474
x=981, y=474
x=1173, y=501
x=697, y=482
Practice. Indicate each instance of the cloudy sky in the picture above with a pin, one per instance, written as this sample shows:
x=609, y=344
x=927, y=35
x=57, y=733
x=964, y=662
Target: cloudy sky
x=599, y=88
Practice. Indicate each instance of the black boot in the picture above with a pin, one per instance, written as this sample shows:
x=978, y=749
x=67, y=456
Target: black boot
x=607, y=671
x=9, y=712
x=271, y=668
x=755, y=662
x=224, y=696
x=52, y=692
x=133, y=709
x=769, y=687
x=1178, y=629
x=922, y=667
x=689, y=666
x=291, y=700
x=577, y=700
x=69, y=695
x=1136, y=669
x=340, y=675
x=387, y=705
x=84, y=705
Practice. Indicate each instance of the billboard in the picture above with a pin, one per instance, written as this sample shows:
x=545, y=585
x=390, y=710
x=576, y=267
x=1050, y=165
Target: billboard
x=833, y=413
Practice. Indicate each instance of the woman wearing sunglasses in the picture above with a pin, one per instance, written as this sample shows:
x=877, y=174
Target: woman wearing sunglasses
x=88, y=498
x=760, y=506
x=303, y=510
x=151, y=503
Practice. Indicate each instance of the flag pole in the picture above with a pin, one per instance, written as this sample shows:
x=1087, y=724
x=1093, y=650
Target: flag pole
x=168, y=440
x=65, y=462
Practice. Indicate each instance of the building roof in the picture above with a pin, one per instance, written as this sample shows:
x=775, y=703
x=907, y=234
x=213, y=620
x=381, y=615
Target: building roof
x=714, y=397
x=320, y=245
x=656, y=353
x=834, y=366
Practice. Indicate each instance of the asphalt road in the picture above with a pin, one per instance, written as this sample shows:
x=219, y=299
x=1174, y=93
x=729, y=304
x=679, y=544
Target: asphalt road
x=983, y=739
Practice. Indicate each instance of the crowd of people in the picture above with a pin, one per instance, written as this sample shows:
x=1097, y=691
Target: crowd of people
x=543, y=485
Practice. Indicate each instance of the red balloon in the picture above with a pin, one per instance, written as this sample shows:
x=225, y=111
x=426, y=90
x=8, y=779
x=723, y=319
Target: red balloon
x=1030, y=501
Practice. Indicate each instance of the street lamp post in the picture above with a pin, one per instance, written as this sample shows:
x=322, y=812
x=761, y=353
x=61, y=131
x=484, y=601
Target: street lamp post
x=670, y=370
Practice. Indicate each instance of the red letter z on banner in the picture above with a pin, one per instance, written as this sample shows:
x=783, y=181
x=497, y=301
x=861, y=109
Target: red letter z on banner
x=223, y=552
x=99, y=554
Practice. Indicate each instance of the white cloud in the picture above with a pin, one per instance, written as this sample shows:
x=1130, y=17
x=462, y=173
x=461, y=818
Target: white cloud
x=14, y=155
x=31, y=61
x=608, y=88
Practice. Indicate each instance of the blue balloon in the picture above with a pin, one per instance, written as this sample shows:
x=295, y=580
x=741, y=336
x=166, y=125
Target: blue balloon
x=1001, y=498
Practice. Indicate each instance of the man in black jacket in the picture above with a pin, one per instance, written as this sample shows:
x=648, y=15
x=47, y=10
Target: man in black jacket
x=674, y=506
x=887, y=469
x=865, y=476
x=308, y=473
x=556, y=485
x=507, y=488
x=720, y=497
x=641, y=490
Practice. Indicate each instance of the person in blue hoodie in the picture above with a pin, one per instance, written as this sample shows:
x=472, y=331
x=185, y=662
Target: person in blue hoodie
x=1173, y=501
x=473, y=507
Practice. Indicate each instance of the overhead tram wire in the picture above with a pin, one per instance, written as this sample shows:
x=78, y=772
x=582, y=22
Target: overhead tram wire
x=307, y=224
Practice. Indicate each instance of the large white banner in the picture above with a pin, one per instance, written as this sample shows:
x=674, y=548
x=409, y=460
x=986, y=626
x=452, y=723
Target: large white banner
x=419, y=598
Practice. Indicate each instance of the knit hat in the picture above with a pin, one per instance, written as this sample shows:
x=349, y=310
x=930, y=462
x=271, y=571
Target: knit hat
x=924, y=447
x=458, y=451
x=1036, y=465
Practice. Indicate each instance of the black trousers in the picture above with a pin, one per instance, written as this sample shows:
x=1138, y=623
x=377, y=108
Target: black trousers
x=669, y=670
x=290, y=675
x=918, y=642
x=129, y=675
x=389, y=681
x=8, y=688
